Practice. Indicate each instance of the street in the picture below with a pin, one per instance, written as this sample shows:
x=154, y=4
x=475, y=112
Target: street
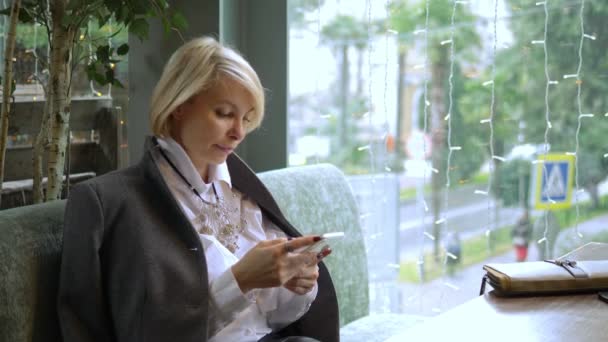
x=469, y=214
x=439, y=295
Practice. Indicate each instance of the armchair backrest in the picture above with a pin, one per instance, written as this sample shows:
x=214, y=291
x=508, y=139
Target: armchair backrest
x=317, y=199
x=30, y=248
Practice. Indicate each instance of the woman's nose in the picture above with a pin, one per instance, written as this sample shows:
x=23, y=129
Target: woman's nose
x=238, y=131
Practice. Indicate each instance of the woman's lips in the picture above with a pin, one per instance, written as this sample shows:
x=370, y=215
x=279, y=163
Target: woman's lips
x=225, y=149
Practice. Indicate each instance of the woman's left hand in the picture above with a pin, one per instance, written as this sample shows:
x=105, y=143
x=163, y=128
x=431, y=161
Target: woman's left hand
x=305, y=281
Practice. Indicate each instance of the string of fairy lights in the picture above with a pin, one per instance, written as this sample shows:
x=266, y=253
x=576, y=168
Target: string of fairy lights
x=373, y=232
x=548, y=125
x=370, y=110
x=490, y=121
x=451, y=148
x=425, y=130
x=388, y=32
x=324, y=117
x=581, y=115
x=580, y=118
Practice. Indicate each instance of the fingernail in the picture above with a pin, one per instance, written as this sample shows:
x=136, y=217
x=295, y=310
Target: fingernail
x=323, y=253
x=316, y=238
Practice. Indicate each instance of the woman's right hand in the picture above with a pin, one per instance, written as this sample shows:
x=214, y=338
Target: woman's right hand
x=272, y=263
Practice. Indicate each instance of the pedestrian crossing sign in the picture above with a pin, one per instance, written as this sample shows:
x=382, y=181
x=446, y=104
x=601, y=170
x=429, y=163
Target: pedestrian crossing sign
x=553, y=179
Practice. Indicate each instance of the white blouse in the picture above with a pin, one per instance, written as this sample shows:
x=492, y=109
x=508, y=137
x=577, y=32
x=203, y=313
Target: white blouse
x=233, y=316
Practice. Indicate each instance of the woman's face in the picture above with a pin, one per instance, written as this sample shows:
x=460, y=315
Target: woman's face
x=213, y=123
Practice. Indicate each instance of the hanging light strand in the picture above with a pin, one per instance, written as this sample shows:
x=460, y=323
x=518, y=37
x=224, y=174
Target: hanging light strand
x=324, y=117
x=448, y=118
x=547, y=115
x=424, y=234
x=370, y=84
x=579, y=83
x=493, y=157
x=388, y=32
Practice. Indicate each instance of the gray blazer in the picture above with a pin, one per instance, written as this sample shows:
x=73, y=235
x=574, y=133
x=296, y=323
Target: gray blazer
x=133, y=267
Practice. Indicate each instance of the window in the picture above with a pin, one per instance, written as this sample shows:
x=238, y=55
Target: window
x=31, y=70
x=443, y=124
x=97, y=136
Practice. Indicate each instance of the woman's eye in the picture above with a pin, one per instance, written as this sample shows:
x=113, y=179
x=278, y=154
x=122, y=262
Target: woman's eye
x=246, y=119
x=223, y=114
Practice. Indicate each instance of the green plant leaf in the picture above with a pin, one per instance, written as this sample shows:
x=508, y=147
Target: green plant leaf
x=139, y=27
x=179, y=21
x=73, y=5
x=99, y=78
x=117, y=83
x=91, y=70
x=139, y=6
x=103, y=19
x=25, y=16
x=103, y=53
x=69, y=20
x=123, y=15
x=123, y=49
x=109, y=75
x=114, y=5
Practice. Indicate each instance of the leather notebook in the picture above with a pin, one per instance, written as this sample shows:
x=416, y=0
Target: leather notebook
x=582, y=270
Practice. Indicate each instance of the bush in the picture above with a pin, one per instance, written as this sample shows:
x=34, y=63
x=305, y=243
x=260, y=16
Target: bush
x=506, y=185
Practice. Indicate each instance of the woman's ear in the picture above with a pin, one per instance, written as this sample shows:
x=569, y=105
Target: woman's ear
x=178, y=112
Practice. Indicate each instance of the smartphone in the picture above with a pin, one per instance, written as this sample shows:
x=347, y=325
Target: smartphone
x=603, y=296
x=320, y=245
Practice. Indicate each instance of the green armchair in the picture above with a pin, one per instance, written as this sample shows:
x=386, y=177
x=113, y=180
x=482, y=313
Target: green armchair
x=316, y=199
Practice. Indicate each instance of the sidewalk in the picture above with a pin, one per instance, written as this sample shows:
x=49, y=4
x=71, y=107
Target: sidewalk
x=440, y=295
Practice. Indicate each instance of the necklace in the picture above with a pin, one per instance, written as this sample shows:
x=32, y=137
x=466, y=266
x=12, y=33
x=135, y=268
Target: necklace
x=217, y=219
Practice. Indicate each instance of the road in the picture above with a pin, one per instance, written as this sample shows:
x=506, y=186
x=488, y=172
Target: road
x=468, y=213
x=440, y=295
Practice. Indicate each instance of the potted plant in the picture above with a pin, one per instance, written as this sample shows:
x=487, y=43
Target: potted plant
x=67, y=26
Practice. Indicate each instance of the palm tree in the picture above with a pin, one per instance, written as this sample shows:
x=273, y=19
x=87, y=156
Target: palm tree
x=404, y=17
x=403, y=20
x=297, y=10
x=340, y=34
x=465, y=38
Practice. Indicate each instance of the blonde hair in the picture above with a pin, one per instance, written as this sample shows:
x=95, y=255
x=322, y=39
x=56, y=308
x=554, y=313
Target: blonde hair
x=197, y=66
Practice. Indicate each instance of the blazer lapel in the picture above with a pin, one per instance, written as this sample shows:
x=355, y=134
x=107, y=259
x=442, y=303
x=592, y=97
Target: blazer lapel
x=182, y=225
x=246, y=181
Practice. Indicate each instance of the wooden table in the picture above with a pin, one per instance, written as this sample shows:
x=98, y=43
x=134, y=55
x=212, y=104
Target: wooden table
x=490, y=318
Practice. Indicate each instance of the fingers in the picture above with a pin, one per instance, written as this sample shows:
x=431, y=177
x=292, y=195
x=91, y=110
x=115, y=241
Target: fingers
x=287, y=248
x=270, y=243
x=325, y=252
x=302, y=260
x=310, y=272
x=300, y=285
x=300, y=290
x=300, y=242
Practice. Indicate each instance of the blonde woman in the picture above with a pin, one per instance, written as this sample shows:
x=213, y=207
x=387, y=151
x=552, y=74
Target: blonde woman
x=188, y=245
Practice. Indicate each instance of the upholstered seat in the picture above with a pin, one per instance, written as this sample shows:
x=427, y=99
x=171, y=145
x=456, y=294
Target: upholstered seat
x=30, y=242
x=316, y=199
